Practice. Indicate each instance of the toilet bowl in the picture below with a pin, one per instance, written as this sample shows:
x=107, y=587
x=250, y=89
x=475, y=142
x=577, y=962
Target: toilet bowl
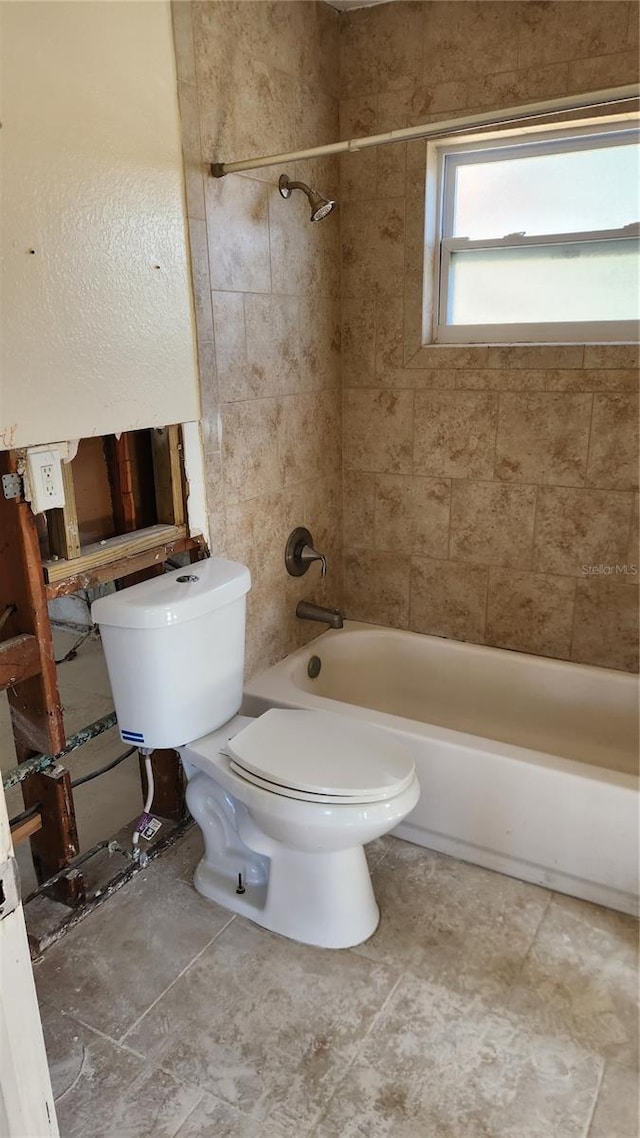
x=285, y=801
x=296, y=851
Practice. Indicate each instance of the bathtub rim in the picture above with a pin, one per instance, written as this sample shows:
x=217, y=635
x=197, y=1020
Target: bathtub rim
x=266, y=684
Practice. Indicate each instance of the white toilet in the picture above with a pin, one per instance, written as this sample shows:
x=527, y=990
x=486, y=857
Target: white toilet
x=285, y=801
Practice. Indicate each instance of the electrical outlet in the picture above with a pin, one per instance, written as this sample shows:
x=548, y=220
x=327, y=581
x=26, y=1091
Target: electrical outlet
x=44, y=487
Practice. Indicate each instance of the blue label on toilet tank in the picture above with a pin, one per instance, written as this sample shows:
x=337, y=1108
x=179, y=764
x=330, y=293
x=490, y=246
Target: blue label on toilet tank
x=132, y=736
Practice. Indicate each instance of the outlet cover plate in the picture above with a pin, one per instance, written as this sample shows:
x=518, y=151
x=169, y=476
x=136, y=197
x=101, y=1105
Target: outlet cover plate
x=44, y=487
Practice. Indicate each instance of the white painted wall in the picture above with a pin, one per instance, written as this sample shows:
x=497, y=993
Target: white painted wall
x=96, y=338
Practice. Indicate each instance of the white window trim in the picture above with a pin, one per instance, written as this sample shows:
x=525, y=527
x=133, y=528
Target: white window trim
x=438, y=220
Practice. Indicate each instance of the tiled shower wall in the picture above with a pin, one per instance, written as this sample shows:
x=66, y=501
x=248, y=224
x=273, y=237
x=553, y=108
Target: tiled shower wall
x=481, y=484
x=258, y=78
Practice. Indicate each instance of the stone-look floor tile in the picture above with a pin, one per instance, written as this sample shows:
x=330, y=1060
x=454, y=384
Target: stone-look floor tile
x=238, y=230
x=530, y=612
x=448, y=598
x=492, y=523
x=454, y=923
x=617, y=1109
x=412, y=514
x=378, y=431
x=543, y=439
x=455, y=434
x=212, y=1118
x=376, y=588
x=155, y=926
x=606, y=624
x=578, y=528
x=439, y=1064
x=264, y=1023
x=105, y=1091
x=580, y=979
x=614, y=446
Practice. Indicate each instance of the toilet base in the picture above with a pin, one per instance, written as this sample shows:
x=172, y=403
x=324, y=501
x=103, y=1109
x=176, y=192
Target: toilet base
x=321, y=899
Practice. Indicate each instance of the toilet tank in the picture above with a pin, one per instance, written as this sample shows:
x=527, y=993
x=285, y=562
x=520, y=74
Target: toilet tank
x=174, y=647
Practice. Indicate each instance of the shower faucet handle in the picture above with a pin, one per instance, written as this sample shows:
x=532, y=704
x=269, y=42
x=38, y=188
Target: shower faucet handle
x=299, y=553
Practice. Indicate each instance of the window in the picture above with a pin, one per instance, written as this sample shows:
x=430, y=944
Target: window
x=539, y=238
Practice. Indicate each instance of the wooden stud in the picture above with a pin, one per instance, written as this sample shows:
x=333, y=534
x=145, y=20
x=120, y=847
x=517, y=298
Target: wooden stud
x=169, y=785
x=119, y=466
x=19, y=660
x=64, y=536
x=54, y=846
x=36, y=713
x=117, y=570
x=167, y=472
x=114, y=549
x=23, y=830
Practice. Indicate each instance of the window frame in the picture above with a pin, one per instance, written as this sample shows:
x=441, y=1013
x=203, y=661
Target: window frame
x=450, y=155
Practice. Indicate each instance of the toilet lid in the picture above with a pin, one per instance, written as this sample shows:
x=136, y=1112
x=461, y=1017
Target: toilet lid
x=316, y=753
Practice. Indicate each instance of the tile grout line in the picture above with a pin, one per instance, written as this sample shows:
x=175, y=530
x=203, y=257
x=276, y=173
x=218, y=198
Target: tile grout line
x=518, y=974
x=356, y=1054
x=596, y=1099
x=175, y=979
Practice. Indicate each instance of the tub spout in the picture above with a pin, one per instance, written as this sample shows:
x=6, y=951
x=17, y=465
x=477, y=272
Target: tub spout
x=305, y=610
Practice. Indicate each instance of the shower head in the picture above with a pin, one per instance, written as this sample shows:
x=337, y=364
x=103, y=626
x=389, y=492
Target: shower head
x=320, y=206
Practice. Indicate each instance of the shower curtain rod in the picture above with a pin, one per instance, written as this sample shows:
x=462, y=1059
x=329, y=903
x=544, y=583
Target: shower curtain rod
x=437, y=129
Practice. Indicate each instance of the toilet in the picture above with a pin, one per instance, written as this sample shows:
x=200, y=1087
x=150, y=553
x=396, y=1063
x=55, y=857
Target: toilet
x=285, y=801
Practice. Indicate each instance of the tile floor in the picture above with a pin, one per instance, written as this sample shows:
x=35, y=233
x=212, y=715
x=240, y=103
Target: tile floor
x=481, y=1008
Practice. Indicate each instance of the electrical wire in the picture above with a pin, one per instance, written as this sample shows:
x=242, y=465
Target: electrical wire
x=73, y=651
x=26, y=814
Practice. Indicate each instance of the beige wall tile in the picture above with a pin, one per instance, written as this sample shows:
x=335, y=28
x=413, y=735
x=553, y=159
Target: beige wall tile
x=249, y=449
x=574, y=29
x=536, y=356
x=606, y=625
x=238, y=228
x=359, y=510
x=323, y=516
x=614, y=450
x=501, y=379
x=200, y=278
x=412, y=514
x=612, y=355
x=492, y=523
x=508, y=88
x=181, y=15
x=446, y=356
x=580, y=527
x=193, y=165
x=209, y=395
x=373, y=248
x=448, y=599
x=305, y=258
x=593, y=379
x=320, y=342
x=268, y=624
x=474, y=38
x=530, y=612
x=358, y=341
x=240, y=545
x=543, y=439
x=378, y=431
x=273, y=343
x=633, y=557
x=215, y=503
x=416, y=105
x=235, y=380
x=455, y=433
x=604, y=71
x=376, y=588
x=275, y=516
x=381, y=48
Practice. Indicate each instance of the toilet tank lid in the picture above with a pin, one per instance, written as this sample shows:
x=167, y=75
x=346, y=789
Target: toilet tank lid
x=181, y=595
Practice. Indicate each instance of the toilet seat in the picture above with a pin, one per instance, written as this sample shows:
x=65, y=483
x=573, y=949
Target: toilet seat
x=320, y=757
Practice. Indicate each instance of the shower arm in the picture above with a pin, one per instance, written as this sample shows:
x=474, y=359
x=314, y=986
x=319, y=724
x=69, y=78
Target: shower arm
x=460, y=125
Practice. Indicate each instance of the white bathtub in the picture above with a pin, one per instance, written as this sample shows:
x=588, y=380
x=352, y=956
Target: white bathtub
x=527, y=765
